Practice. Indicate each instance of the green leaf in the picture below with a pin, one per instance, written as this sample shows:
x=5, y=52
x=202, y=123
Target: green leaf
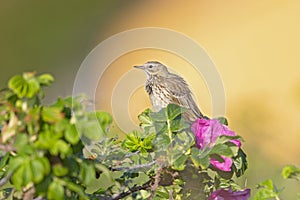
x=38, y=171
x=161, y=142
x=240, y=163
x=140, y=179
x=51, y=114
x=222, y=149
x=179, y=164
x=266, y=190
x=159, y=116
x=144, y=117
x=87, y=173
x=55, y=191
x=22, y=145
x=91, y=128
x=16, y=162
x=180, y=144
x=174, y=111
x=291, y=171
x=46, y=164
x=178, y=125
x=223, y=120
x=133, y=141
x=33, y=88
x=24, y=86
x=200, y=158
x=104, y=182
x=59, y=170
x=104, y=119
x=60, y=147
x=45, y=79
x=77, y=189
x=71, y=134
x=17, y=178
x=4, y=160
x=27, y=173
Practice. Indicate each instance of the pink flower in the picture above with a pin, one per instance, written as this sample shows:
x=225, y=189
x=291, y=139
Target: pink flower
x=229, y=195
x=224, y=166
x=207, y=131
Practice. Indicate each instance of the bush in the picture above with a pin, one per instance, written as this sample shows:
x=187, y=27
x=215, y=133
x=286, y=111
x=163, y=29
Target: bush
x=61, y=151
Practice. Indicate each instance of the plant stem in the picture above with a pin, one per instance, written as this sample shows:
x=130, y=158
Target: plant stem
x=134, y=167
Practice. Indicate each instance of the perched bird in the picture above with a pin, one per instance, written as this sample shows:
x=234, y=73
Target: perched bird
x=164, y=88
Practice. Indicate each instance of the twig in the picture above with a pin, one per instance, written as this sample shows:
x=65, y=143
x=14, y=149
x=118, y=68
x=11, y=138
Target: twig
x=7, y=148
x=132, y=190
x=5, y=179
x=132, y=154
x=156, y=183
x=38, y=198
x=133, y=167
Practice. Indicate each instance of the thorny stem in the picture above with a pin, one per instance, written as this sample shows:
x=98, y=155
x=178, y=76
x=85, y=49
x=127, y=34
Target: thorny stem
x=134, y=167
x=156, y=183
x=132, y=190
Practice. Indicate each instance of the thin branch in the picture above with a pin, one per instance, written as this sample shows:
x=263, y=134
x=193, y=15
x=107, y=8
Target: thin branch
x=132, y=190
x=133, y=167
x=38, y=198
x=156, y=183
x=7, y=148
x=5, y=180
x=132, y=154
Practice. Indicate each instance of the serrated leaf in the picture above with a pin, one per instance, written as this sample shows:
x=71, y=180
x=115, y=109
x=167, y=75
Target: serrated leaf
x=159, y=116
x=51, y=114
x=144, y=117
x=104, y=182
x=140, y=179
x=174, y=111
x=221, y=149
x=179, y=164
x=200, y=158
x=45, y=79
x=291, y=171
x=33, y=87
x=178, y=125
x=240, y=163
x=24, y=86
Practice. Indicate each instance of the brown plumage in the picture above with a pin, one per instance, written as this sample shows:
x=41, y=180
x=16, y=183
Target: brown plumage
x=164, y=88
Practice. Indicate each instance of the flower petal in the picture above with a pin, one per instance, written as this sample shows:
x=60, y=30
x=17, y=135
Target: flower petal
x=230, y=195
x=224, y=166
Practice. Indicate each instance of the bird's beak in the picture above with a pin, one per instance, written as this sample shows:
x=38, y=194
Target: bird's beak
x=139, y=67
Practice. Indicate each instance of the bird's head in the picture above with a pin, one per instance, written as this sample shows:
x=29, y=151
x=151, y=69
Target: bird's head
x=152, y=68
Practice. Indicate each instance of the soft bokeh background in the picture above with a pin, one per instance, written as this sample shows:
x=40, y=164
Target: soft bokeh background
x=254, y=44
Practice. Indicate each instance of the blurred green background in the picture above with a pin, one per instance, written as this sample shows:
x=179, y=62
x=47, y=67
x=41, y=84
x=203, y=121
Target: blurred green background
x=255, y=45
x=53, y=36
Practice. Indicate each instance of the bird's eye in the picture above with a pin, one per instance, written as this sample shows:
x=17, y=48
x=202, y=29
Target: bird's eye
x=150, y=66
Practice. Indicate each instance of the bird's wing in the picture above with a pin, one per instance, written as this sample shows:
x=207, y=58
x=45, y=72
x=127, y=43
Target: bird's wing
x=182, y=95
